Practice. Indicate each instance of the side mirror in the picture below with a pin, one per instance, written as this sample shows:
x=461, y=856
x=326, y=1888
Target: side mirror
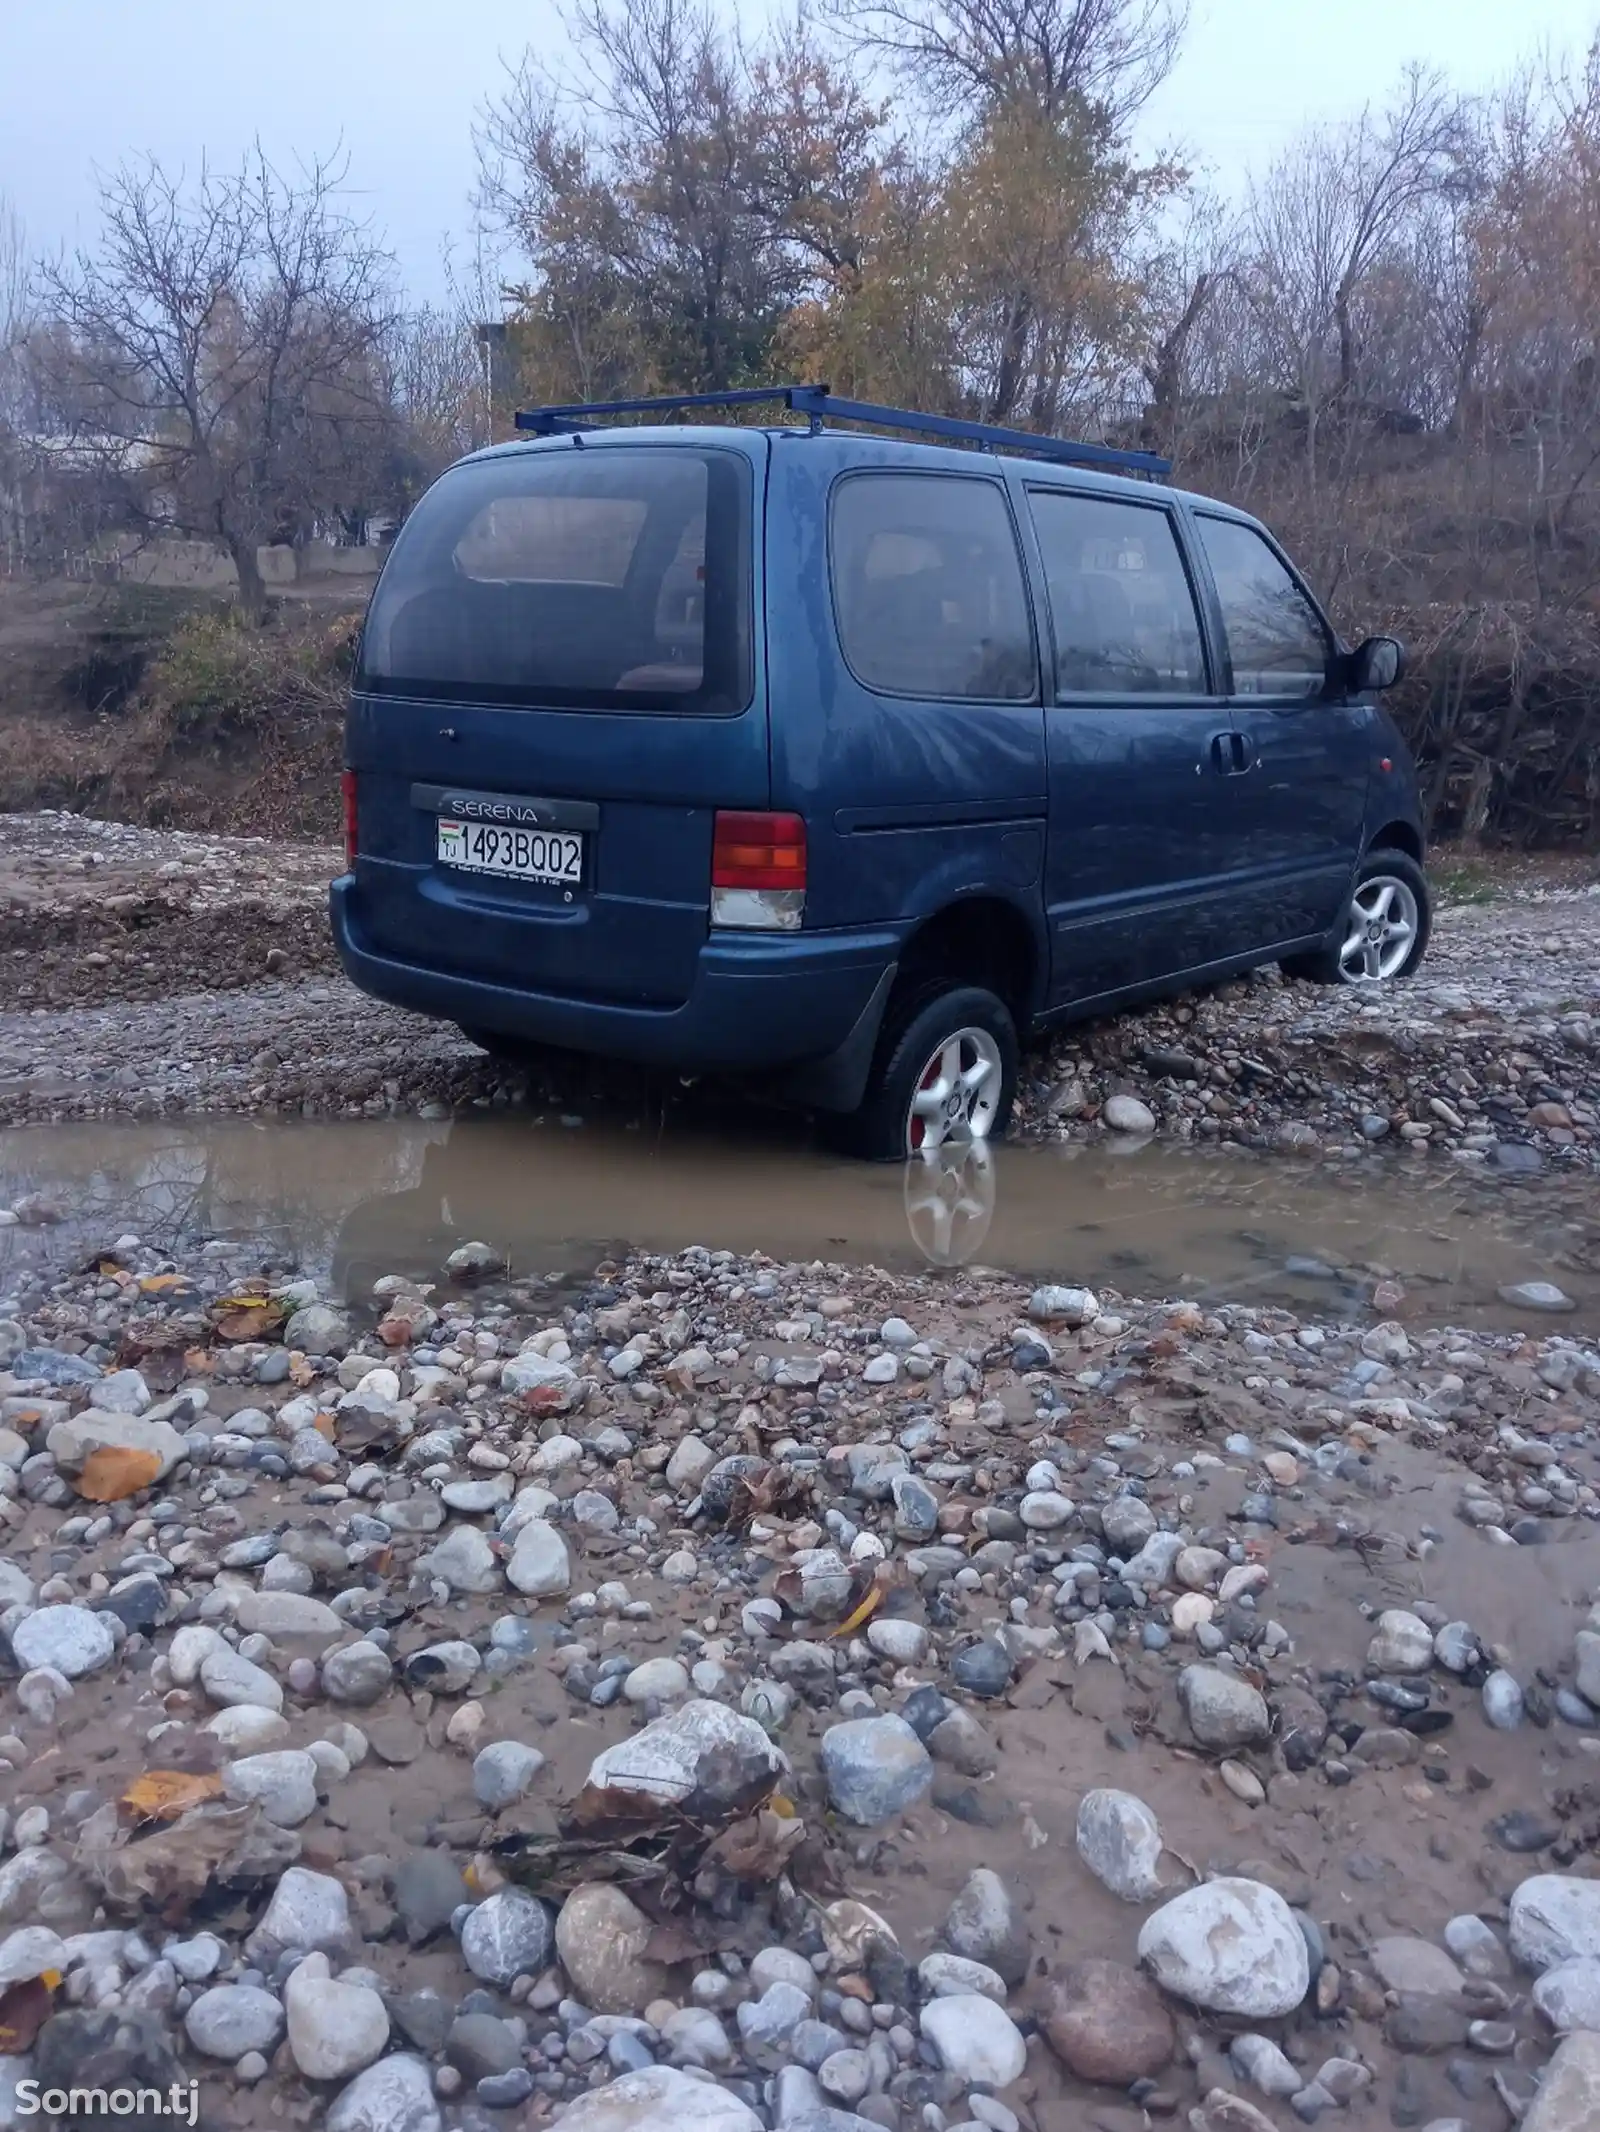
x=1376, y=664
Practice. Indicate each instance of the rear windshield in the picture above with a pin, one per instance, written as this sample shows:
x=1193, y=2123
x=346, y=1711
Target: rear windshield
x=601, y=577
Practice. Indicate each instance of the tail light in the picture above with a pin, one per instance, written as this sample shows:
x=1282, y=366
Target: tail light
x=352, y=839
x=758, y=871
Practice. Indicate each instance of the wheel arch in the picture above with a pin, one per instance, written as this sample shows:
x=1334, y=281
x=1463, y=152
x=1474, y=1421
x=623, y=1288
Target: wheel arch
x=983, y=939
x=1397, y=836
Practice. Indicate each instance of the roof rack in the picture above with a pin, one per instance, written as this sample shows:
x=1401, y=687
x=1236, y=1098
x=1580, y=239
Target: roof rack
x=817, y=403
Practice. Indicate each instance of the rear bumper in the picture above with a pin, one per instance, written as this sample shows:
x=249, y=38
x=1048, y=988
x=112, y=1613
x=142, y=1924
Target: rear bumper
x=759, y=1002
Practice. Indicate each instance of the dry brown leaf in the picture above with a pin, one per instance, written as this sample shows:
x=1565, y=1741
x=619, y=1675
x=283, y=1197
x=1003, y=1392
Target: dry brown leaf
x=113, y=1472
x=164, y=1794
x=24, y=2010
x=757, y=1848
x=249, y=1322
x=323, y=1424
x=170, y=1868
x=164, y=1283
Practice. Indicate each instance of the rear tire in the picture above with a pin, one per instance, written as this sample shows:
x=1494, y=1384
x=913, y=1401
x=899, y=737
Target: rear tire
x=1383, y=931
x=946, y=1072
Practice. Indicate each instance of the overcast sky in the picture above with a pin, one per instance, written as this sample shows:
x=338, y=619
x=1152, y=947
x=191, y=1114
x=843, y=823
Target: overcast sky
x=86, y=82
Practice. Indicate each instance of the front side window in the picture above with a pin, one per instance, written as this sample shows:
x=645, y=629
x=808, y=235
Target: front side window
x=1276, y=638
x=613, y=577
x=1121, y=605
x=927, y=588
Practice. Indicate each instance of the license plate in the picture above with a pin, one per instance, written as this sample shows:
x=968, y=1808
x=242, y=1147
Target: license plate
x=552, y=855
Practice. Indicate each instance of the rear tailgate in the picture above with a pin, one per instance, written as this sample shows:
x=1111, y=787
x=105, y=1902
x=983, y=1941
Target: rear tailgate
x=632, y=927
x=559, y=688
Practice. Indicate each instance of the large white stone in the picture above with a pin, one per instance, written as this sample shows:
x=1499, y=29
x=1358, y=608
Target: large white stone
x=395, y=2095
x=703, y=1750
x=539, y=1566
x=1569, y=2094
x=72, y=1639
x=660, y=2100
x=1119, y=1840
x=229, y=1678
x=334, y=2029
x=28, y=1953
x=544, y=1386
x=1554, y=1916
x=1223, y=1709
x=1569, y=1995
x=975, y=2039
x=287, y=1614
x=1403, y=1644
x=70, y=1442
x=282, y=1783
x=309, y=1913
x=1230, y=1946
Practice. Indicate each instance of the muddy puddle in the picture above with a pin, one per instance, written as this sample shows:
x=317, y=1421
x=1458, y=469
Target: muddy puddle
x=392, y=1196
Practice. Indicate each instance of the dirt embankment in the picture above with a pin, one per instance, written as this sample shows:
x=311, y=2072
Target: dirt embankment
x=151, y=706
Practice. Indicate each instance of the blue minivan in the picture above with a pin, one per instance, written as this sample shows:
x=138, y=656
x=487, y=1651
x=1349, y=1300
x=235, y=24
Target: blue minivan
x=841, y=762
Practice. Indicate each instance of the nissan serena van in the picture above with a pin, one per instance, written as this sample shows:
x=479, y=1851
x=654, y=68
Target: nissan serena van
x=843, y=755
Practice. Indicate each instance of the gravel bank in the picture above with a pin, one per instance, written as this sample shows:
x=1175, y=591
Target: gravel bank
x=152, y=975
x=763, y=1695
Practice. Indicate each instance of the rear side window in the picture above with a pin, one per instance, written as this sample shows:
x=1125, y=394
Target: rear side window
x=597, y=577
x=927, y=588
x=1276, y=638
x=1121, y=605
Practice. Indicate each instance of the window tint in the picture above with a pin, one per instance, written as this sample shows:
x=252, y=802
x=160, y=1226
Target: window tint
x=1121, y=605
x=1275, y=636
x=611, y=576
x=927, y=586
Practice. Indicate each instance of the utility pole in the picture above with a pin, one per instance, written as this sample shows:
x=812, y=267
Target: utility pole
x=495, y=342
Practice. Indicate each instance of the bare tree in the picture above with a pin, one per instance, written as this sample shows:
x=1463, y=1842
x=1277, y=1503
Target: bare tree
x=965, y=56
x=1330, y=211
x=221, y=353
x=15, y=278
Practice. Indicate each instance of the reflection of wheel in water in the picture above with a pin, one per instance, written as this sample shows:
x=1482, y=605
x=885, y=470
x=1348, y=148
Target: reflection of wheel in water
x=949, y=1199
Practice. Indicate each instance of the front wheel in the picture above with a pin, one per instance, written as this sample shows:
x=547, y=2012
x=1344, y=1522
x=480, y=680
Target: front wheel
x=947, y=1074
x=1384, y=932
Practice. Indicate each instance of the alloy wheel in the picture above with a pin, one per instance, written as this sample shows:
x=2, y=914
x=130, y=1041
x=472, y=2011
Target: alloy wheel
x=1381, y=930
x=957, y=1095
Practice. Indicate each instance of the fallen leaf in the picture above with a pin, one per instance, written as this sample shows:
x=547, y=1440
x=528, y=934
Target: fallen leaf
x=164, y=1794
x=113, y=1472
x=862, y=1613
x=172, y=1866
x=323, y=1424
x=164, y=1283
x=758, y=1848
x=300, y=1371
x=672, y=1942
x=248, y=1321
x=778, y=1492
x=162, y=1368
x=24, y=2010
x=198, y=1362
